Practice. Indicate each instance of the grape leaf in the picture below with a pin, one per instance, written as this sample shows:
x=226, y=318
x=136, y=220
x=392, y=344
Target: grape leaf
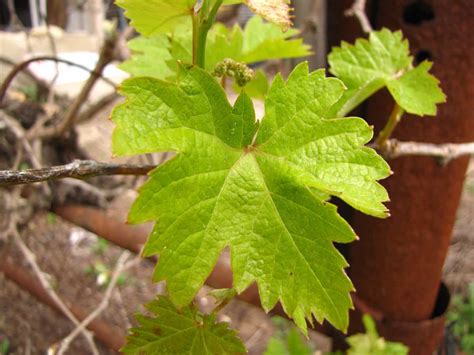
x=185, y=331
x=150, y=58
x=417, y=91
x=384, y=60
x=261, y=199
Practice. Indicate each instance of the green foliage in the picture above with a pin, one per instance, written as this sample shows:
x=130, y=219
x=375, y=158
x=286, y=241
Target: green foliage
x=51, y=218
x=286, y=340
x=384, y=60
x=258, y=199
x=371, y=343
x=462, y=315
x=157, y=56
x=31, y=92
x=103, y=274
x=100, y=246
x=180, y=331
x=4, y=346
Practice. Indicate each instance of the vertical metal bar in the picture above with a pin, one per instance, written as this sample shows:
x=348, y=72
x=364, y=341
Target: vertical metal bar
x=42, y=12
x=310, y=17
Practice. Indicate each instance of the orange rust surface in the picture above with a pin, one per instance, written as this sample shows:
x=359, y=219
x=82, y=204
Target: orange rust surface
x=397, y=264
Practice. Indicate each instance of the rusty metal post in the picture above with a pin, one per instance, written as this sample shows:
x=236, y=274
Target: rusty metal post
x=397, y=264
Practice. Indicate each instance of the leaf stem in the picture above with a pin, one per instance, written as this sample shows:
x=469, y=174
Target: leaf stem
x=392, y=123
x=357, y=97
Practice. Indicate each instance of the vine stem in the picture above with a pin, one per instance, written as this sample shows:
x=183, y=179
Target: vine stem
x=392, y=123
x=203, y=19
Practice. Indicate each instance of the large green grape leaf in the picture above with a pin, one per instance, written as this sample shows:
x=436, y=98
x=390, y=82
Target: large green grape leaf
x=184, y=331
x=263, y=197
x=384, y=60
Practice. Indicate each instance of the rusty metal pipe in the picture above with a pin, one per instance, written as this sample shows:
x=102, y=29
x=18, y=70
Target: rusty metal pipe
x=397, y=264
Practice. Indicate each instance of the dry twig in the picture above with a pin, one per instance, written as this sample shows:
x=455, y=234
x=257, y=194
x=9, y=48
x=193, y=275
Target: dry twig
x=78, y=169
x=106, y=56
x=446, y=152
x=24, y=65
x=358, y=10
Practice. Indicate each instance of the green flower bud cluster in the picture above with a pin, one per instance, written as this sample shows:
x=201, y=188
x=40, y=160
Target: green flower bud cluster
x=239, y=71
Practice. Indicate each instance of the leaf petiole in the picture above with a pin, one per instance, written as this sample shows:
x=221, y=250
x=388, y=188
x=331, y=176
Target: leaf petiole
x=387, y=131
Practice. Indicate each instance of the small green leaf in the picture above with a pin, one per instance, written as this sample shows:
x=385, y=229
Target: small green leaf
x=223, y=294
x=384, y=60
x=286, y=340
x=371, y=343
x=180, y=331
x=263, y=197
x=417, y=91
x=276, y=346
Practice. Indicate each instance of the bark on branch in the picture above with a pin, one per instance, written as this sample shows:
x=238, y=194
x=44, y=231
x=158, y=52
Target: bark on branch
x=358, y=10
x=446, y=152
x=79, y=169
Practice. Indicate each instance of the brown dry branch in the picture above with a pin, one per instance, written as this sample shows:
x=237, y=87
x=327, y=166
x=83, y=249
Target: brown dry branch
x=91, y=111
x=107, y=55
x=78, y=169
x=445, y=152
x=23, y=66
x=42, y=86
x=358, y=10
